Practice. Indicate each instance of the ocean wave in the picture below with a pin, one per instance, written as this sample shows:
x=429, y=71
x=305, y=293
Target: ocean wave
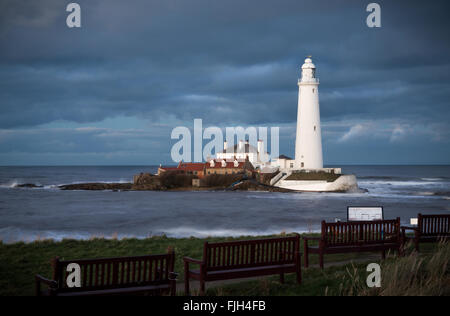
x=185, y=232
x=19, y=184
x=403, y=183
x=11, y=235
x=386, y=178
x=425, y=193
x=303, y=195
x=432, y=179
x=403, y=179
x=10, y=185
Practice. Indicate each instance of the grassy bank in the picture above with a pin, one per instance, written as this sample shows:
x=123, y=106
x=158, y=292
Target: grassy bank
x=425, y=274
x=20, y=262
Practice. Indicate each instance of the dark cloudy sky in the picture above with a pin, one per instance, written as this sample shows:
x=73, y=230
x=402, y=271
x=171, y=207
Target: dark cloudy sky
x=111, y=92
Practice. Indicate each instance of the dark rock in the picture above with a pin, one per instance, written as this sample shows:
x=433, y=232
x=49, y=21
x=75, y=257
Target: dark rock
x=97, y=186
x=145, y=178
x=250, y=185
x=147, y=182
x=28, y=185
x=442, y=193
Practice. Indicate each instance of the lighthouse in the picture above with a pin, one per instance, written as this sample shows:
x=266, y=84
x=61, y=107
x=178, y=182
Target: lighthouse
x=306, y=173
x=308, y=143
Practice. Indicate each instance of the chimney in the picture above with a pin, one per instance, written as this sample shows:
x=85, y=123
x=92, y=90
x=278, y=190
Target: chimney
x=225, y=146
x=241, y=146
x=260, y=146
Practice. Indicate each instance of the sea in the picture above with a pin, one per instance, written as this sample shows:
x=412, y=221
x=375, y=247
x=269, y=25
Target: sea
x=29, y=214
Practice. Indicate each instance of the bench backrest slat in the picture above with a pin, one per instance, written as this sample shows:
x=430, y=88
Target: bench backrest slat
x=109, y=273
x=251, y=253
x=356, y=233
x=434, y=225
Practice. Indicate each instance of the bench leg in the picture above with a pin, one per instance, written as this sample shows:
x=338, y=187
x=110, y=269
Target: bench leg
x=321, y=260
x=417, y=245
x=38, y=288
x=202, y=288
x=282, y=278
x=416, y=240
x=306, y=253
x=186, y=279
x=173, y=288
x=299, y=274
x=186, y=286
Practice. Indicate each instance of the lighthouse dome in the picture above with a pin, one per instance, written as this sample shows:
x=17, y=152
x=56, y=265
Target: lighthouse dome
x=308, y=64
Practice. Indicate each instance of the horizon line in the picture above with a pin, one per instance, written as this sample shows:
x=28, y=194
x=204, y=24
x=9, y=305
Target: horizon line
x=157, y=165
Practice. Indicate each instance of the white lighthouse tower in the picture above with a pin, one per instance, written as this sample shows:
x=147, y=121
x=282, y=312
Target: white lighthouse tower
x=308, y=144
x=306, y=172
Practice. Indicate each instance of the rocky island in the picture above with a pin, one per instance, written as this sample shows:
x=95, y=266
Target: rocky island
x=177, y=182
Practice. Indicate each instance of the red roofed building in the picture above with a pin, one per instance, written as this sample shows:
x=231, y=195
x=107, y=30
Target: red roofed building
x=214, y=166
x=221, y=166
x=194, y=169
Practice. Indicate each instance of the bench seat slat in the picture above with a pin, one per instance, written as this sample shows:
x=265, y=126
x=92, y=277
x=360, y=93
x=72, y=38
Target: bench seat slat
x=244, y=272
x=121, y=291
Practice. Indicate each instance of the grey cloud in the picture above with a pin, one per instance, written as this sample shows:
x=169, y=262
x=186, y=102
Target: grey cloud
x=228, y=62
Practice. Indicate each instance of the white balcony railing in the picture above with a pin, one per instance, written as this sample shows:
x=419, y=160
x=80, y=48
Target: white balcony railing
x=311, y=80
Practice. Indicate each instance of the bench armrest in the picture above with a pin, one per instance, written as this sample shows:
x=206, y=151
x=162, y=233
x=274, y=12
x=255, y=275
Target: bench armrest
x=311, y=238
x=48, y=282
x=173, y=276
x=51, y=284
x=194, y=261
x=409, y=228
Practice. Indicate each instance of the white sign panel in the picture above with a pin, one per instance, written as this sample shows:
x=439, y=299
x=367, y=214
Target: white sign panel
x=365, y=213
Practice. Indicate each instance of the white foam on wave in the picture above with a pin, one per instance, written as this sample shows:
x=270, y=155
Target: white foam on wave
x=401, y=183
x=10, y=185
x=305, y=195
x=184, y=232
x=425, y=193
x=432, y=179
x=11, y=235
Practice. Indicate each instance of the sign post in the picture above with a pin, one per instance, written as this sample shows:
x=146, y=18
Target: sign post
x=364, y=213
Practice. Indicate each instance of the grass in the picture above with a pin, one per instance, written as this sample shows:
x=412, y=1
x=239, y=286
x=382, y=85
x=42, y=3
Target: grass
x=21, y=261
x=315, y=283
x=426, y=274
x=413, y=275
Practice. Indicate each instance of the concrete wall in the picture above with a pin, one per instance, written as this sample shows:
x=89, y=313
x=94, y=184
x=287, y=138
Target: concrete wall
x=343, y=183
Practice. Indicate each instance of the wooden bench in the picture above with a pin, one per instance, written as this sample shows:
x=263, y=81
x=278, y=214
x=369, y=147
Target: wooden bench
x=430, y=228
x=152, y=274
x=365, y=236
x=244, y=259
